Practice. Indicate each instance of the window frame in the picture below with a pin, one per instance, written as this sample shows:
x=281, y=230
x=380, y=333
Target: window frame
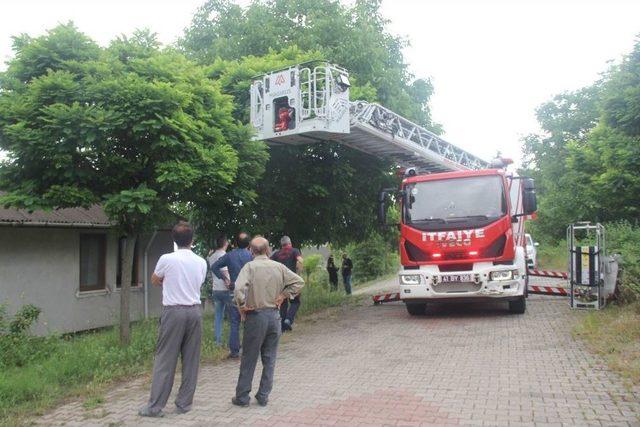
x=102, y=263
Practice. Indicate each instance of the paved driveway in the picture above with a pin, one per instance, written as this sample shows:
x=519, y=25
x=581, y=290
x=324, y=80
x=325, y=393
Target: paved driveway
x=375, y=365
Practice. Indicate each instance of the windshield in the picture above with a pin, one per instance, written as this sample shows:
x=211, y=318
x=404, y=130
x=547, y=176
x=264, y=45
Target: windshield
x=529, y=240
x=472, y=201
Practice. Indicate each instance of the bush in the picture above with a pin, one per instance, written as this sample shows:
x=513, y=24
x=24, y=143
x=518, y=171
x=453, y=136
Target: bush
x=17, y=347
x=372, y=258
x=624, y=238
x=316, y=295
x=311, y=265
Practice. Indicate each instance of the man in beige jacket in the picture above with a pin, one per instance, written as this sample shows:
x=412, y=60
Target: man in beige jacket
x=261, y=287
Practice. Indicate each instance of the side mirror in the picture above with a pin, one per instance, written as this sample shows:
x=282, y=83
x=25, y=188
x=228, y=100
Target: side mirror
x=529, y=200
x=536, y=244
x=382, y=206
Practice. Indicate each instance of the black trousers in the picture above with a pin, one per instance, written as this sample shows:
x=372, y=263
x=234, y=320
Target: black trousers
x=289, y=309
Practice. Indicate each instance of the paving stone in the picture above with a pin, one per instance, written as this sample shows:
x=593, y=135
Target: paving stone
x=458, y=365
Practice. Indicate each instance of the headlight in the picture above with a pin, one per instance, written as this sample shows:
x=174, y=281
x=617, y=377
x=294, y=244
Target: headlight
x=501, y=275
x=410, y=279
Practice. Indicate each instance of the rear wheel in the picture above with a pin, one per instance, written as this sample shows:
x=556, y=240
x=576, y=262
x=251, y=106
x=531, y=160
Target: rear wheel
x=416, y=309
x=518, y=306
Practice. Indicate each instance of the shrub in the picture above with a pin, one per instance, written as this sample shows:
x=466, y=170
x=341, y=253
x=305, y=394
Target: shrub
x=372, y=258
x=17, y=347
x=311, y=265
x=624, y=238
x=24, y=318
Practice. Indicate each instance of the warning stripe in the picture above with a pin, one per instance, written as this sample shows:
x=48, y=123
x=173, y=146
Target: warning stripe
x=386, y=297
x=547, y=290
x=547, y=273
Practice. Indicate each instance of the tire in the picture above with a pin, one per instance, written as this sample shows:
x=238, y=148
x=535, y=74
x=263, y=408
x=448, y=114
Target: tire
x=416, y=309
x=518, y=306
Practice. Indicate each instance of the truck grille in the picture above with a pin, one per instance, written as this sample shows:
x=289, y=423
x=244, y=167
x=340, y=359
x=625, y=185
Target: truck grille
x=455, y=288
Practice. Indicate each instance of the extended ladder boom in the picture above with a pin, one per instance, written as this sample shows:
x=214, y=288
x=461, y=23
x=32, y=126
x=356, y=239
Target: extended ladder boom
x=306, y=103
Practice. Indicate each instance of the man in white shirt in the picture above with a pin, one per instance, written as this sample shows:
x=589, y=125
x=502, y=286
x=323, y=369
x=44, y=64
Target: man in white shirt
x=180, y=273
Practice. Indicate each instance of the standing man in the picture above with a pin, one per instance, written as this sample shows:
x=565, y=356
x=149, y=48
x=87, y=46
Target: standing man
x=260, y=288
x=234, y=261
x=221, y=295
x=292, y=259
x=180, y=273
x=347, y=267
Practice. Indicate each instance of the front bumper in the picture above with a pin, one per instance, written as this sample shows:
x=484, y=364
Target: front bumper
x=431, y=286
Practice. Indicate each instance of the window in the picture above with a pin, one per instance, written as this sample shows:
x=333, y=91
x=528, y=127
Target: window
x=93, y=254
x=455, y=203
x=135, y=266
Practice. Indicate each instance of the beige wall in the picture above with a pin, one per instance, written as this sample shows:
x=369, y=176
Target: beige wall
x=40, y=266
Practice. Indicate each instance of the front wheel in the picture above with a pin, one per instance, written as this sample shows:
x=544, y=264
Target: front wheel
x=416, y=309
x=518, y=306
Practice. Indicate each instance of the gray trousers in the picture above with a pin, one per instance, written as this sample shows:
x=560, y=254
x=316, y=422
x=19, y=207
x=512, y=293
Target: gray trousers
x=180, y=333
x=261, y=335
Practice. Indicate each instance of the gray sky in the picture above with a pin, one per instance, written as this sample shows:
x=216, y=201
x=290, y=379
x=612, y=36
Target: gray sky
x=492, y=62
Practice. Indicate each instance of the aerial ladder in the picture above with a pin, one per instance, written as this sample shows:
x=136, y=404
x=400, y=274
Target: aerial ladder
x=309, y=103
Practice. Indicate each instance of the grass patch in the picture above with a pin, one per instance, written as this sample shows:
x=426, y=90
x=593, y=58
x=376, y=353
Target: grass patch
x=553, y=257
x=83, y=366
x=93, y=402
x=614, y=334
x=80, y=366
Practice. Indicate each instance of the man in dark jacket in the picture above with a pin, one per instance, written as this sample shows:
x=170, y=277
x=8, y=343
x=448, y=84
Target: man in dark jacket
x=292, y=259
x=347, y=267
x=234, y=261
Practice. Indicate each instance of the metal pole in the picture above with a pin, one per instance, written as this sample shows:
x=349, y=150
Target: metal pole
x=146, y=275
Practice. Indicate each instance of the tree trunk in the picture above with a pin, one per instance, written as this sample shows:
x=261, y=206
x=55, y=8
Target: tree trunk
x=125, y=288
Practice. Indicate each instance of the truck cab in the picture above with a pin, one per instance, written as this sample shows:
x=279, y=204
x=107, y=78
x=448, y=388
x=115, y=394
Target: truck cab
x=462, y=237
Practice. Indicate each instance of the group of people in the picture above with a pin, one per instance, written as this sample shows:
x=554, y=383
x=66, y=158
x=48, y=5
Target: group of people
x=346, y=268
x=252, y=286
x=225, y=268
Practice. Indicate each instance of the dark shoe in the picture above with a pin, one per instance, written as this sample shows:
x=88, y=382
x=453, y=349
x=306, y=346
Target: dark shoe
x=181, y=411
x=233, y=356
x=239, y=402
x=145, y=412
x=262, y=402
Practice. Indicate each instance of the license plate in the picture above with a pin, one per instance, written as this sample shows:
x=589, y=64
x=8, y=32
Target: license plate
x=456, y=278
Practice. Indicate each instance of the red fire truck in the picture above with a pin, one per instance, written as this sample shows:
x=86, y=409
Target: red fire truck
x=462, y=236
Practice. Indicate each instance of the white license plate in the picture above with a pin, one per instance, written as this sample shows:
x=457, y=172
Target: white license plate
x=456, y=278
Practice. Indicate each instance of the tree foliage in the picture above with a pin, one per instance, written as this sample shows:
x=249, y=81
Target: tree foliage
x=352, y=36
x=316, y=193
x=586, y=163
x=133, y=127
x=322, y=192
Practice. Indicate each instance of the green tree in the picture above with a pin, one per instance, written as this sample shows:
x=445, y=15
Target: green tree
x=317, y=193
x=322, y=192
x=567, y=118
x=133, y=127
x=587, y=161
x=353, y=36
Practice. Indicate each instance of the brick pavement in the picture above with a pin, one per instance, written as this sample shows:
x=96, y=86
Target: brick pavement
x=375, y=365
